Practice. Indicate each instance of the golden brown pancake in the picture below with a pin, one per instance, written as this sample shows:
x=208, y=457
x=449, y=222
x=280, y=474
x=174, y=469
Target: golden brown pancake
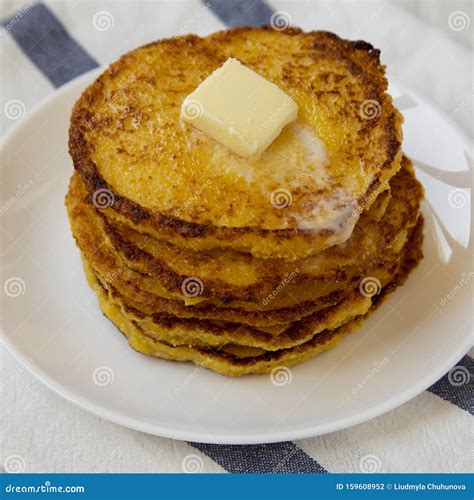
x=233, y=361
x=198, y=332
x=169, y=181
x=233, y=276
x=296, y=290
x=238, y=264
x=151, y=298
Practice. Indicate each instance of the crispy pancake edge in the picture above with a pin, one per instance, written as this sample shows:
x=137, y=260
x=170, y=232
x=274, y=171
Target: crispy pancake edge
x=221, y=295
x=230, y=365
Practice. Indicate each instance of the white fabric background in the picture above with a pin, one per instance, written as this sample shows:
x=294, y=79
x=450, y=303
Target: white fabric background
x=427, y=434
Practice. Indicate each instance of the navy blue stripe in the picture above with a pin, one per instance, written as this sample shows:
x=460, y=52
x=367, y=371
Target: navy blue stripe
x=242, y=12
x=49, y=46
x=457, y=386
x=261, y=458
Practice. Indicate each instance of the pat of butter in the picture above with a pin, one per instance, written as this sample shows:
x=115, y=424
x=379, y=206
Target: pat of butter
x=239, y=108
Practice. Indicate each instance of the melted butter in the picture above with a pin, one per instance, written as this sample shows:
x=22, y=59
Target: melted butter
x=334, y=215
x=294, y=157
x=297, y=162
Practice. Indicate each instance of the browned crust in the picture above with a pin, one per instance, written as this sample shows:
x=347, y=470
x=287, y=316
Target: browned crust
x=299, y=331
x=106, y=261
x=413, y=253
x=209, y=311
x=102, y=260
x=362, y=61
x=412, y=257
x=217, y=289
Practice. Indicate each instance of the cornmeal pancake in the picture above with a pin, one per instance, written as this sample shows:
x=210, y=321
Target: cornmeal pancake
x=204, y=333
x=305, y=192
x=150, y=304
x=231, y=360
x=221, y=279
x=106, y=267
x=236, y=276
x=339, y=262
x=195, y=332
x=109, y=268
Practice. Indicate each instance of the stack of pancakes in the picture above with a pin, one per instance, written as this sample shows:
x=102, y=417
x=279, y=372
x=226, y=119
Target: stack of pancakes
x=242, y=265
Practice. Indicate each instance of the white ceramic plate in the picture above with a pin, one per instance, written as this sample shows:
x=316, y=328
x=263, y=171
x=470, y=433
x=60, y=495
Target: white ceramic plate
x=51, y=322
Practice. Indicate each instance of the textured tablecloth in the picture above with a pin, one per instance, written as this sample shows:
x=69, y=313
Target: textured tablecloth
x=44, y=45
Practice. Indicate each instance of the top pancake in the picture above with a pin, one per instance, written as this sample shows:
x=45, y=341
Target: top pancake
x=308, y=188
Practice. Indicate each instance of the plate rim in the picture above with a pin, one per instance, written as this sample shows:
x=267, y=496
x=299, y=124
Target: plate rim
x=219, y=438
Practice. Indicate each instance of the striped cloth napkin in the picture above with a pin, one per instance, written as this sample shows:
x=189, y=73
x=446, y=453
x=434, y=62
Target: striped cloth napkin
x=45, y=45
